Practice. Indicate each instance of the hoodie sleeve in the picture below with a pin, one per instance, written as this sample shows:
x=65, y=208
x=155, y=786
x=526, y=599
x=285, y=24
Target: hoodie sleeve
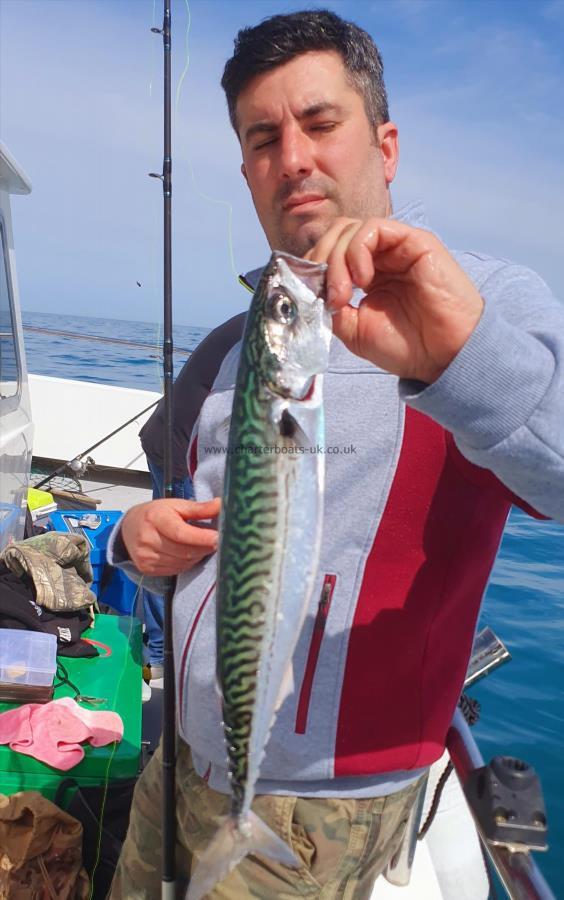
x=502, y=397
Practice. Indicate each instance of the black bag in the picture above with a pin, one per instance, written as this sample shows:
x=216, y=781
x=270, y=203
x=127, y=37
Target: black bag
x=109, y=834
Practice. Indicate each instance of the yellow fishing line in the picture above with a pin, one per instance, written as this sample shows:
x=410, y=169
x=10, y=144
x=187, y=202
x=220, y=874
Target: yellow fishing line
x=187, y=63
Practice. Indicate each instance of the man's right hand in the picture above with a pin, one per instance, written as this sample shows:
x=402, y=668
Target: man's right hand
x=160, y=538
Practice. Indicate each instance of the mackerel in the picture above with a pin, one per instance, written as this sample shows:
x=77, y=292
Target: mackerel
x=270, y=534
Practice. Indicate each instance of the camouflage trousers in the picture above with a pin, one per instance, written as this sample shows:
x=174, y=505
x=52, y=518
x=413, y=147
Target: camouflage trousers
x=343, y=844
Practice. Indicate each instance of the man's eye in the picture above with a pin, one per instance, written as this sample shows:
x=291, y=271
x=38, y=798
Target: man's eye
x=264, y=143
x=323, y=126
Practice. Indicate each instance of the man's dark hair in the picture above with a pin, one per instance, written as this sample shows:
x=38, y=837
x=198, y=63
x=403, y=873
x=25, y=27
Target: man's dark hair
x=279, y=39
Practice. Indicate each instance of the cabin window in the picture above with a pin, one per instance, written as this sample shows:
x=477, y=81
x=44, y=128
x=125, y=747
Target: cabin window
x=9, y=361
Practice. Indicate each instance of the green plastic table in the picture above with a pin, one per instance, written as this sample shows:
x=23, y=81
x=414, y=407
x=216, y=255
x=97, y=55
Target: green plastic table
x=117, y=678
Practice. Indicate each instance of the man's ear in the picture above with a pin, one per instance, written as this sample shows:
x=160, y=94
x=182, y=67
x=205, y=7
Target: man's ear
x=388, y=141
x=244, y=173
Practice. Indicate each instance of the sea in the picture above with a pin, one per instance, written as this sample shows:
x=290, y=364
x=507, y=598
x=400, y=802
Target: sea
x=522, y=702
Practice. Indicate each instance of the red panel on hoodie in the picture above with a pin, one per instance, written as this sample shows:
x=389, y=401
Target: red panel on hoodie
x=416, y=612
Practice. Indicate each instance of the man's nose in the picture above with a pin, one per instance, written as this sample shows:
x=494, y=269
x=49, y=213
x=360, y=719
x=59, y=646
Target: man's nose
x=296, y=158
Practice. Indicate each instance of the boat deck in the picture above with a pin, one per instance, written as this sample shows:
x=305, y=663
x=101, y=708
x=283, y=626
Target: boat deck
x=109, y=488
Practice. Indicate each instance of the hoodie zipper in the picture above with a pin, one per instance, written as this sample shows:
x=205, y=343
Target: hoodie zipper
x=327, y=591
x=185, y=652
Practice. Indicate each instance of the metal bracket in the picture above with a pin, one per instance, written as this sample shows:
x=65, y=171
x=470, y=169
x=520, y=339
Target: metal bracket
x=506, y=797
x=488, y=652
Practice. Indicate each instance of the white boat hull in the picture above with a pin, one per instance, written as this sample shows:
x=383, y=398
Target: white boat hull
x=70, y=416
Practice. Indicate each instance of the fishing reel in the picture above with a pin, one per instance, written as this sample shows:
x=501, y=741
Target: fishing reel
x=79, y=466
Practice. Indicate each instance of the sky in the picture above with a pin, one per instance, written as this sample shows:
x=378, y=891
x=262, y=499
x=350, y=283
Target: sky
x=475, y=87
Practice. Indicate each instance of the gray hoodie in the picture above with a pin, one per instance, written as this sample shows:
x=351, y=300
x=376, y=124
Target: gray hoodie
x=413, y=519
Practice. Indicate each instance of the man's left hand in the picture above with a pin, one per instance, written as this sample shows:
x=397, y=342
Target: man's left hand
x=420, y=307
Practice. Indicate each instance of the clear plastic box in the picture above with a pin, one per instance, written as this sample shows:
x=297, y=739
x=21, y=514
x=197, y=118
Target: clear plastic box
x=27, y=657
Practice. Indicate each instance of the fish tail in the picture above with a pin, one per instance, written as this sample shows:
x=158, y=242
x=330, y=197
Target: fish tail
x=235, y=840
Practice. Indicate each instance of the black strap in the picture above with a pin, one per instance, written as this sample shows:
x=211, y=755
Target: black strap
x=63, y=677
x=470, y=709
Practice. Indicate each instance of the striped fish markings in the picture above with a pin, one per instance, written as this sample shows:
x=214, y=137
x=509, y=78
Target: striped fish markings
x=270, y=535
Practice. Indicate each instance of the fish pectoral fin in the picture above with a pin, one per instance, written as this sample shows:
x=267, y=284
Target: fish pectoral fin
x=290, y=431
x=286, y=687
x=222, y=431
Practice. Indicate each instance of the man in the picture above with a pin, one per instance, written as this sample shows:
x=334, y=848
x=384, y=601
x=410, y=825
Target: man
x=455, y=411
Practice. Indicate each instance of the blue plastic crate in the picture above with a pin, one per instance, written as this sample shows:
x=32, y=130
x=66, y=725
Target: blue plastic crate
x=110, y=585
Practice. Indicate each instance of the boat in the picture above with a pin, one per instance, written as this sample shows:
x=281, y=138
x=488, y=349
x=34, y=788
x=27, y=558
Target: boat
x=98, y=465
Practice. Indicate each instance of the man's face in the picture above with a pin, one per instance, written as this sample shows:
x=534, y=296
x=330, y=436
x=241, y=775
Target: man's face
x=309, y=151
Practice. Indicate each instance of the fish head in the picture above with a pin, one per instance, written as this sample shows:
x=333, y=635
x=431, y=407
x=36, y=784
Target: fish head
x=296, y=323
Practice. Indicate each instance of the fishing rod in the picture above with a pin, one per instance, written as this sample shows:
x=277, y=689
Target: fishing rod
x=168, y=883
x=76, y=464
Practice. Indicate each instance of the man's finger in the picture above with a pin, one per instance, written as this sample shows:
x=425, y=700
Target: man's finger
x=339, y=278
x=345, y=327
x=154, y=562
x=150, y=559
x=320, y=252
x=194, y=509
x=190, y=536
x=375, y=245
x=388, y=246
x=359, y=254
x=182, y=533
x=163, y=570
x=203, y=538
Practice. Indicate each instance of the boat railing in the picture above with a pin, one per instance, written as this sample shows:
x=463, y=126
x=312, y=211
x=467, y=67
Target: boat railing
x=514, y=863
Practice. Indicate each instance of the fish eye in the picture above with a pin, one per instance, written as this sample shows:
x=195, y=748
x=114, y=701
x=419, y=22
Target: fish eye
x=283, y=309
